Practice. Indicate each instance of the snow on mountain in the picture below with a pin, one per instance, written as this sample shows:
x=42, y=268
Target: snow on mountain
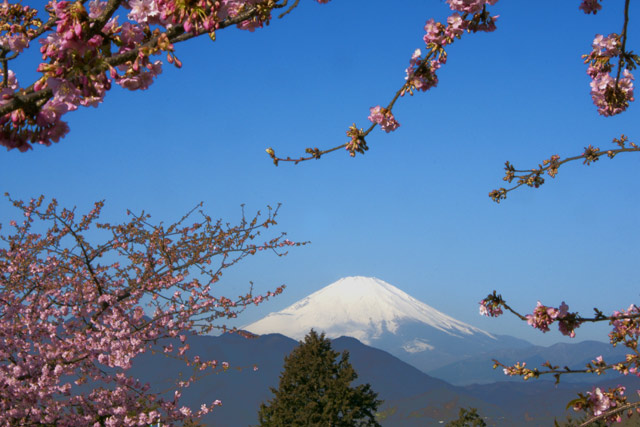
x=381, y=315
x=364, y=308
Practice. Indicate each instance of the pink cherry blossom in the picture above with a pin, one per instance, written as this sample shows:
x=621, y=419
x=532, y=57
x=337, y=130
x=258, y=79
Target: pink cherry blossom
x=469, y=6
x=456, y=26
x=590, y=6
x=600, y=402
x=607, y=46
x=143, y=11
x=490, y=308
x=542, y=317
x=434, y=32
x=384, y=118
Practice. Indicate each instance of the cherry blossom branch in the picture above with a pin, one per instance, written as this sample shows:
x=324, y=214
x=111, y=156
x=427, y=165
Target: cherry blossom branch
x=597, y=366
x=421, y=74
x=610, y=413
x=109, y=9
x=493, y=304
x=358, y=135
x=535, y=177
x=623, y=37
x=626, y=331
x=29, y=98
x=611, y=96
x=79, y=66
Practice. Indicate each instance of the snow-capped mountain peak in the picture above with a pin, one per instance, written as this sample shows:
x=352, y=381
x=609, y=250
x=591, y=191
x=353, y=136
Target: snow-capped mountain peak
x=361, y=307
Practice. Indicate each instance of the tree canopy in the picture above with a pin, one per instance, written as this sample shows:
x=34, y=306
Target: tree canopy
x=315, y=390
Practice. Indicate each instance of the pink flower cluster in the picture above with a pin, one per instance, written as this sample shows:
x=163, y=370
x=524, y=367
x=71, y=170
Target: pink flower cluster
x=610, y=94
x=590, y=6
x=469, y=6
x=625, y=325
x=384, y=118
x=491, y=306
x=421, y=76
x=421, y=73
x=544, y=316
x=598, y=401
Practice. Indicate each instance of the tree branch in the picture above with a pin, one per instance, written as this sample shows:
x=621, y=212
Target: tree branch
x=534, y=177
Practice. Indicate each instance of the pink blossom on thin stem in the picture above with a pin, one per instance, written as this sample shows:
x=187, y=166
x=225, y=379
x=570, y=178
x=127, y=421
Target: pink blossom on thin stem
x=590, y=6
x=567, y=322
x=96, y=7
x=608, y=46
x=456, y=26
x=625, y=328
x=434, y=32
x=611, y=95
x=384, y=118
x=542, y=317
x=469, y=6
x=420, y=76
x=143, y=11
x=490, y=307
x=600, y=402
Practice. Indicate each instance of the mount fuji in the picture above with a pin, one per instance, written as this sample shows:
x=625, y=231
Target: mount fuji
x=383, y=316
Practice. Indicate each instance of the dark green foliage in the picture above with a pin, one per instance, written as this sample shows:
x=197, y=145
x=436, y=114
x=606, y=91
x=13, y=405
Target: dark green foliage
x=467, y=418
x=315, y=390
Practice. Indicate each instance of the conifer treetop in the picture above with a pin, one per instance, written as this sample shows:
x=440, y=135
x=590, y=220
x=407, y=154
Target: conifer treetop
x=315, y=389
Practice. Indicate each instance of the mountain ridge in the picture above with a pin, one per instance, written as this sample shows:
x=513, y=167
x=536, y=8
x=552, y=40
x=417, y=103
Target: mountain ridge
x=336, y=309
x=383, y=316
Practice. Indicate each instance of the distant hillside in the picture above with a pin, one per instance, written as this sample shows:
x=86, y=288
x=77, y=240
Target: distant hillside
x=412, y=398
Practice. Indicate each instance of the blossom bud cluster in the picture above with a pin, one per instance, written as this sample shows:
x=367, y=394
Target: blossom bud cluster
x=520, y=369
x=18, y=25
x=357, y=143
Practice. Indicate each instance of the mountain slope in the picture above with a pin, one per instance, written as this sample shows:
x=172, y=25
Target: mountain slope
x=411, y=397
x=241, y=388
x=383, y=316
x=360, y=307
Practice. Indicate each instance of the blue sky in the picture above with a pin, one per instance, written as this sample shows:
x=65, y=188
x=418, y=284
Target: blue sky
x=414, y=210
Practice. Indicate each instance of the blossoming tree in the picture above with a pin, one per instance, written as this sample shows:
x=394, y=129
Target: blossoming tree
x=75, y=314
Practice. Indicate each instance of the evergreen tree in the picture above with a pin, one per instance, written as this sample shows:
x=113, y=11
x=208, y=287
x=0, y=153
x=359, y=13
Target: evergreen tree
x=315, y=390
